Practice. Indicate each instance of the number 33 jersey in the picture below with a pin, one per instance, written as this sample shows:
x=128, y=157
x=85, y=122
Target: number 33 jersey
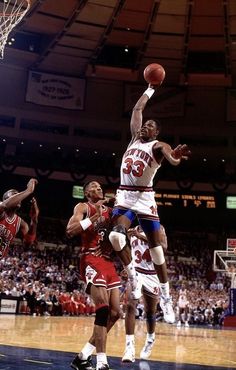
x=138, y=166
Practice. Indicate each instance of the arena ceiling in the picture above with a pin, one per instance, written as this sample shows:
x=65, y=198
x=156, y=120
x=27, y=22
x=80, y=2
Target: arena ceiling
x=194, y=40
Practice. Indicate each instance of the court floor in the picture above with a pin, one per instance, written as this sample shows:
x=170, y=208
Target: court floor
x=51, y=342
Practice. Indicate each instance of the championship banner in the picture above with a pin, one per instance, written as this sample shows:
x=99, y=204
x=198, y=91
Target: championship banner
x=56, y=91
x=166, y=102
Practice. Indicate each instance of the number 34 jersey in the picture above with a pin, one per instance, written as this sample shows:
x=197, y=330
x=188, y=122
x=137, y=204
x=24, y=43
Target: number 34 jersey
x=138, y=166
x=141, y=256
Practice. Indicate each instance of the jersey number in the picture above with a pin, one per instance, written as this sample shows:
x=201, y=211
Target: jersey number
x=137, y=171
x=145, y=256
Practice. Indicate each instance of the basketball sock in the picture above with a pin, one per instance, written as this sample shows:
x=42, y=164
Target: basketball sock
x=165, y=289
x=87, y=351
x=150, y=337
x=101, y=359
x=129, y=339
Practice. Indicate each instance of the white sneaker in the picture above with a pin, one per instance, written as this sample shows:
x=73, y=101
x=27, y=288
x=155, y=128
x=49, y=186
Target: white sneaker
x=168, y=312
x=129, y=355
x=144, y=365
x=186, y=324
x=147, y=349
x=178, y=324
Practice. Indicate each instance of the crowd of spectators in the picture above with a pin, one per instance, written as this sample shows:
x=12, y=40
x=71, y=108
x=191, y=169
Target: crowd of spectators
x=46, y=277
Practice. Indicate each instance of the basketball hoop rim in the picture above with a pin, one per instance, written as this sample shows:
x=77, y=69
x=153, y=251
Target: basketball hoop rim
x=27, y=3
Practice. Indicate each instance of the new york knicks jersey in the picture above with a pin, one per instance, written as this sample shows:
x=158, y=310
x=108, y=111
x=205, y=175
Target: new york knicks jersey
x=138, y=166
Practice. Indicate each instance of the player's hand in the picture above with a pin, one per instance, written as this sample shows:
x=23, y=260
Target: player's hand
x=181, y=152
x=31, y=185
x=99, y=205
x=34, y=210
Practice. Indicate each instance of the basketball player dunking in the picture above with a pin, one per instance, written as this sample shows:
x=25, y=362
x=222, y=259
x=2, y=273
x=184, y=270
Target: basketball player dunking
x=135, y=196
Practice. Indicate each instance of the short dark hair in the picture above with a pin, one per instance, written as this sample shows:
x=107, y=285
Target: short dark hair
x=86, y=184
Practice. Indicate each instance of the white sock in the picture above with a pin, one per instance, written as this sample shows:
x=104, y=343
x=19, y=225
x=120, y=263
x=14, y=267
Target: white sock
x=165, y=289
x=150, y=337
x=87, y=351
x=101, y=359
x=129, y=339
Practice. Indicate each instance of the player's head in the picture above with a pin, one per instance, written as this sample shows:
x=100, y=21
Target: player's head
x=93, y=191
x=9, y=194
x=150, y=130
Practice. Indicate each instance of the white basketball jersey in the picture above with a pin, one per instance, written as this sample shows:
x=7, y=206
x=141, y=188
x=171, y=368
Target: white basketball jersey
x=141, y=256
x=138, y=166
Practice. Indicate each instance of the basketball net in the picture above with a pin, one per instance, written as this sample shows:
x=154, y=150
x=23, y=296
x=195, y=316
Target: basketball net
x=11, y=13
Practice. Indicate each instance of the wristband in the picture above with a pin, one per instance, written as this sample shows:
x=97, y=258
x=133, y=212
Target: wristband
x=85, y=223
x=149, y=92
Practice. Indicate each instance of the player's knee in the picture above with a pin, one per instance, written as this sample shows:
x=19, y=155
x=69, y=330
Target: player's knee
x=157, y=255
x=117, y=237
x=101, y=317
x=115, y=314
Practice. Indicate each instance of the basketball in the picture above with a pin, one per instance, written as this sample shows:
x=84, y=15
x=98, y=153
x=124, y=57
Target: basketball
x=154, y=74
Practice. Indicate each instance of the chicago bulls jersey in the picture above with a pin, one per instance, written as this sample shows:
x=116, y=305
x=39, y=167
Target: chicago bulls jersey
x=95, y=238
x=141, y=256
x=9, y=227
x=138, y=166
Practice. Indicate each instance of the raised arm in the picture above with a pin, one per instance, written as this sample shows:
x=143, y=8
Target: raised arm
x=29, y=232
x=137, y=113
x=17, y=198
x=79, y=222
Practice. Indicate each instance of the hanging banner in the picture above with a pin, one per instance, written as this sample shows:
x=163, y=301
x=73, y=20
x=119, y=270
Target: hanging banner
x=56, y=91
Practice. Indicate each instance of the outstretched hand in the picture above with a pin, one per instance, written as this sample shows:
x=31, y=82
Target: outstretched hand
x=34, y=210
x=181, y=152
x=31, y=185
x=98, y=205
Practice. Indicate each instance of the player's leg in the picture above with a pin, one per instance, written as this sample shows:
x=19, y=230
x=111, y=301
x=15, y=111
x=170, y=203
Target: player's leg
x=154, y=234
x=150, y=307
x=100, y=298
x=129, y=352
x=122, y=220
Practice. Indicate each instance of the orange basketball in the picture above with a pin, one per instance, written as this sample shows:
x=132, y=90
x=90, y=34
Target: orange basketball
x=154, y=74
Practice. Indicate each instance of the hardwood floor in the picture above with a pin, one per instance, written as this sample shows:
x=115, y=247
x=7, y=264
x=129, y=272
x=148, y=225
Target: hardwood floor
x=190, y=348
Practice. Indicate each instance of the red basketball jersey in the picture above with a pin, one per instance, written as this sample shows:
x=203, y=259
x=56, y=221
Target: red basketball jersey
x=95, y=238
x=9, y=227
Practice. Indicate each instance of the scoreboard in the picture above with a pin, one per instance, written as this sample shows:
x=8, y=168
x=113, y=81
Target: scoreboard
x=171, y=199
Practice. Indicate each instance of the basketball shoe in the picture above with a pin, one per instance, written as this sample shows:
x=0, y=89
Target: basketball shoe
x=168, y=312
x=129, y=355
x=147, y=349
x=103, y=367
x=79, y=364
